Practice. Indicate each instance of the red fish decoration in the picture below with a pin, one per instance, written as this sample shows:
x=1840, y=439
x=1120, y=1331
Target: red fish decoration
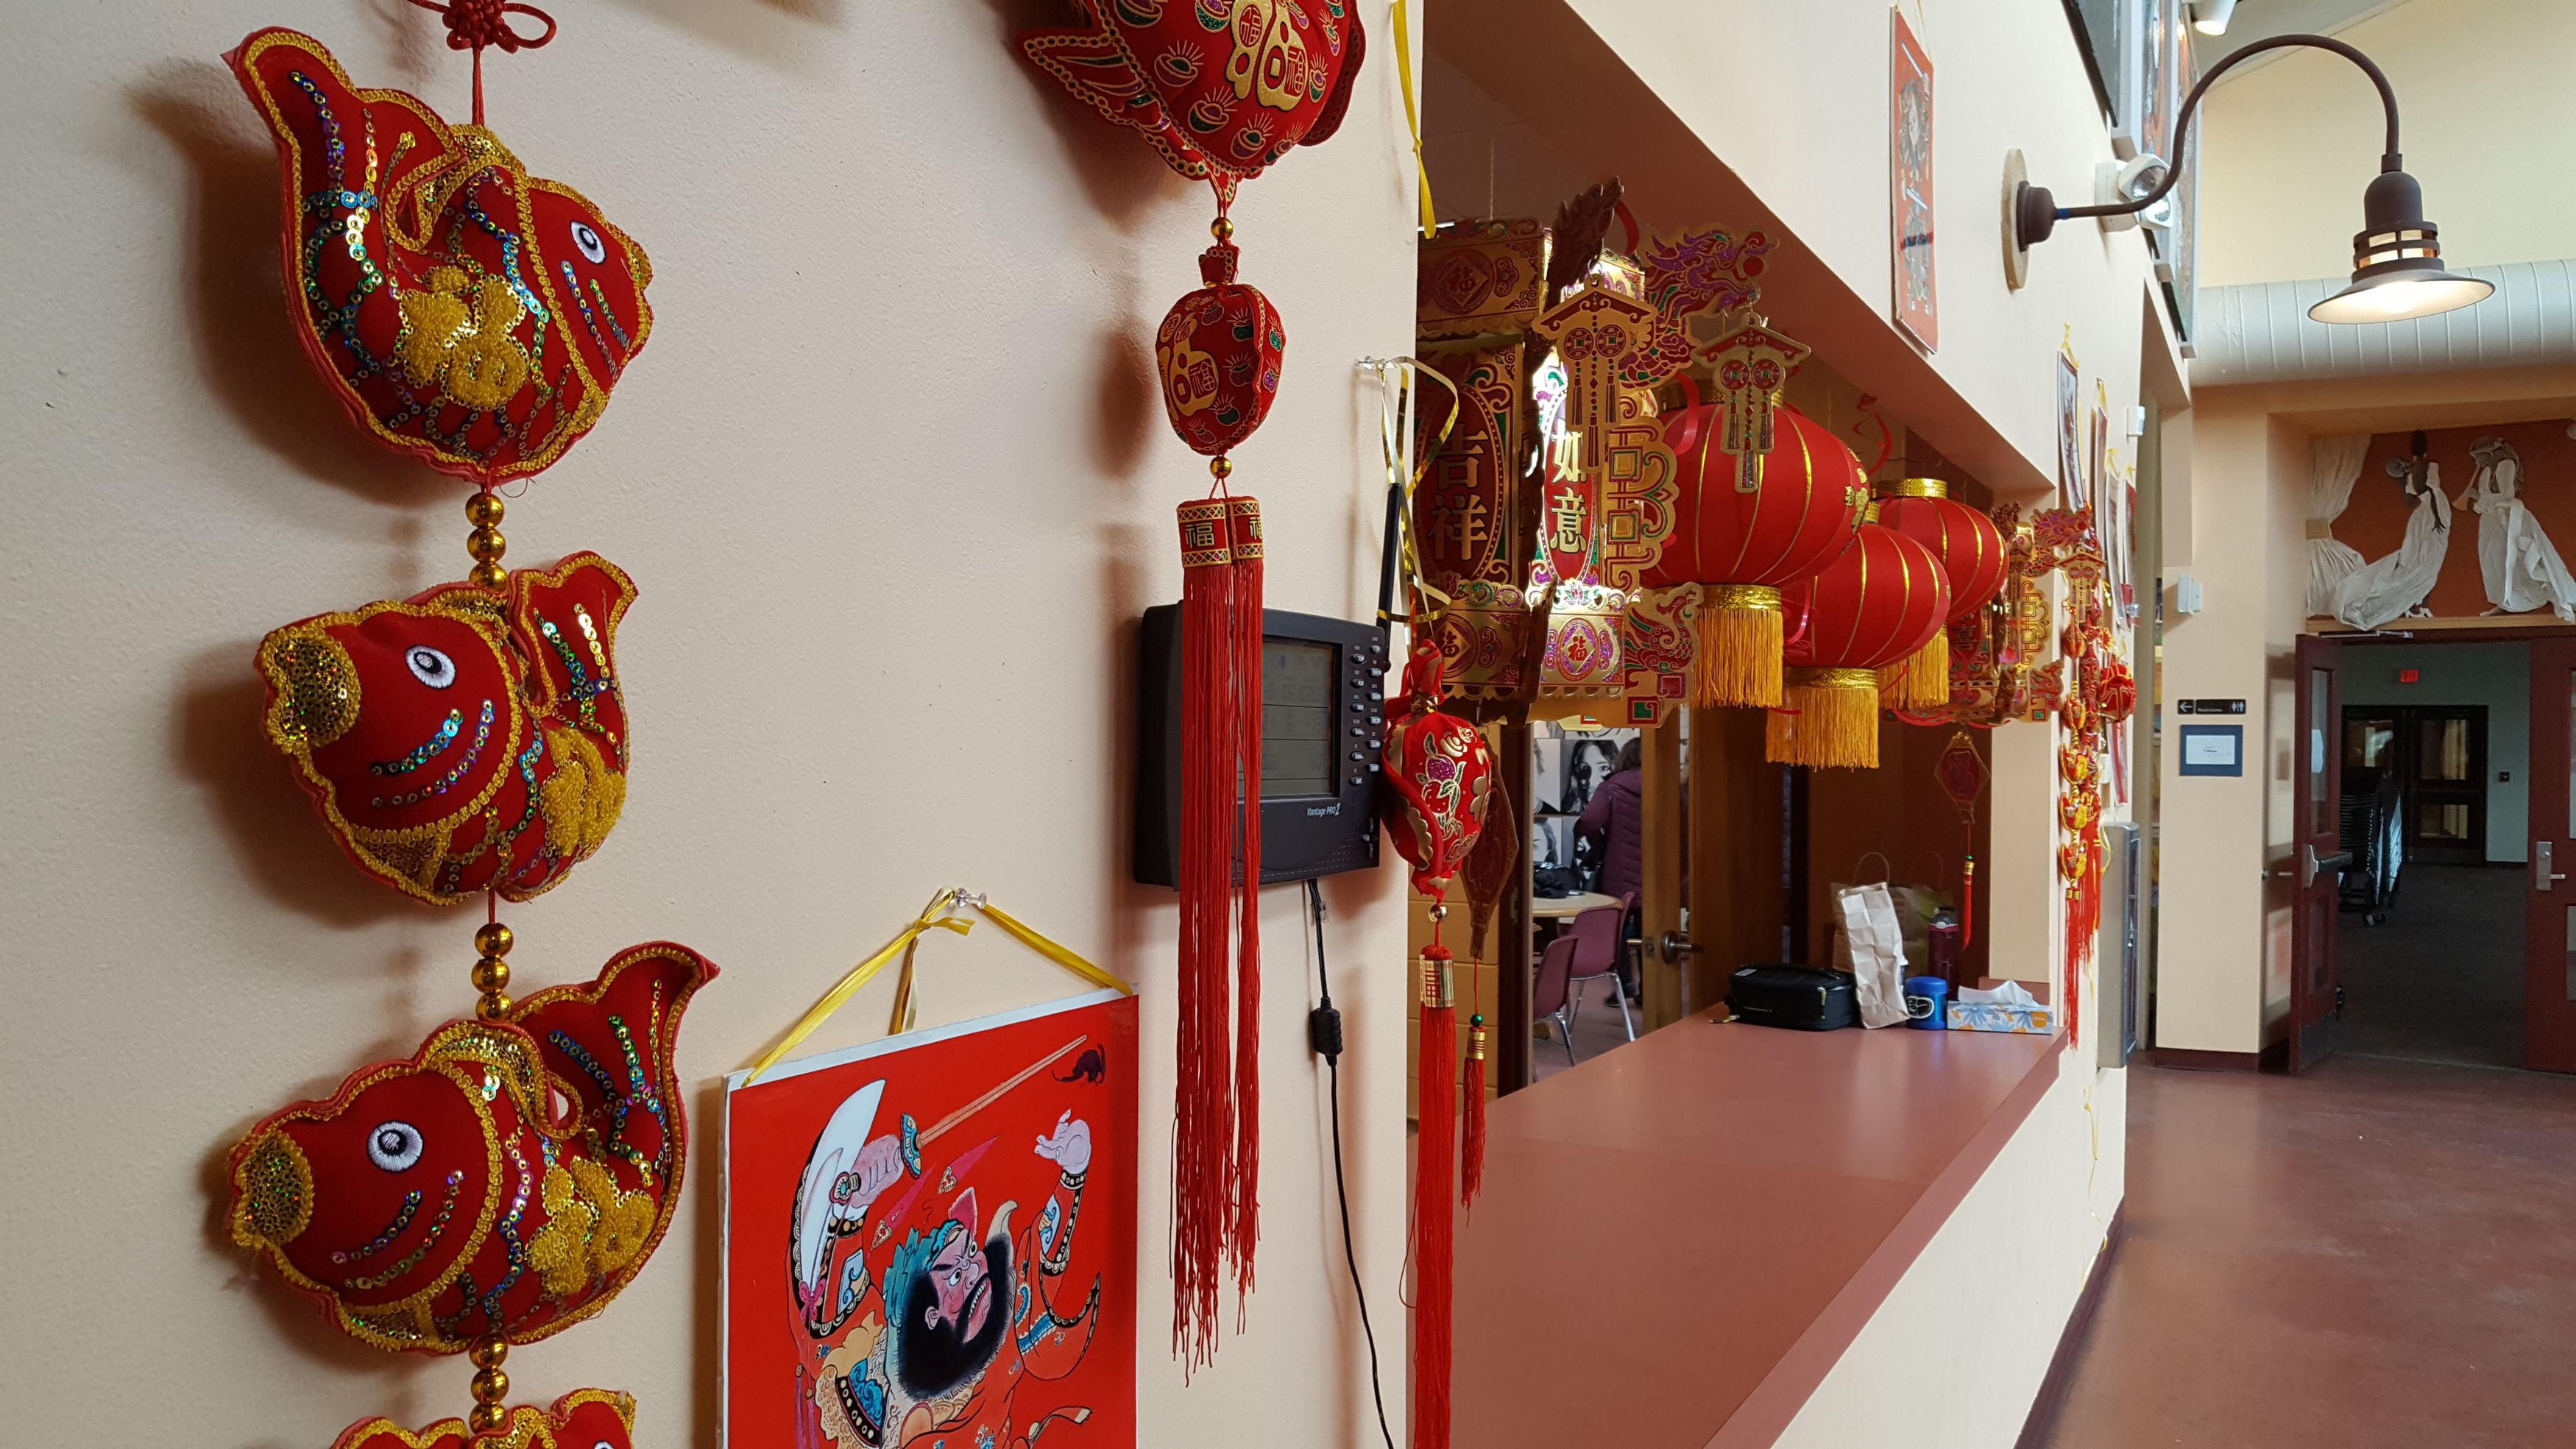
x=503, y=1183
x=462, y=740
x=463, y=310
x=582, y=1419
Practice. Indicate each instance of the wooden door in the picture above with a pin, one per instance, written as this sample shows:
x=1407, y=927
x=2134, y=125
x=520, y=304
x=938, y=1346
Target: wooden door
x=2549, y=933
x=2317, y=858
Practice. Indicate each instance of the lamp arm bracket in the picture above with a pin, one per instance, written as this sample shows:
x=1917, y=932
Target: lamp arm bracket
x=2390, y=159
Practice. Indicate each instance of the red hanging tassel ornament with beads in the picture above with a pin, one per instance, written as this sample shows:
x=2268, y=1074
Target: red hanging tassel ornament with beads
x=1243, y=1208
x=1440, y=777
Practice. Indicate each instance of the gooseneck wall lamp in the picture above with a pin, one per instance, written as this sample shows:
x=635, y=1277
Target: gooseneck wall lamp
x=2397, y=268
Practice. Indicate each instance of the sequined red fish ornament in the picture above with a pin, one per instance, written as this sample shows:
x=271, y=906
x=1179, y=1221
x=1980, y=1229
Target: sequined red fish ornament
x=582, y=1419
x=503, y=1183
x=462, y=310
x=1222, y=88
x=461, y=740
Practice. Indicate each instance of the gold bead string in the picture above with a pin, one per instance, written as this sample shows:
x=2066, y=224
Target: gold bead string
x=485, y=543
x=491, y=973
x=491, y=1386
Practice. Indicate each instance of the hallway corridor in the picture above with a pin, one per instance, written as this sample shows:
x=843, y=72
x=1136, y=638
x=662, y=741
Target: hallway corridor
x=2377, y=1254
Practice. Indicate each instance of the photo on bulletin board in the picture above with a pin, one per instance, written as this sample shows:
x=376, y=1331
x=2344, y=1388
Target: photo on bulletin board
x=2070, y=465
x=932, y=1238
x=1591, y=757
x=1909, y=165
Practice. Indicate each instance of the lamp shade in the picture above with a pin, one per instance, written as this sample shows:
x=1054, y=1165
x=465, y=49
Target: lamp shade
x=1971, y=552
x=1742, y=545
x=2397, y=270
x=1884, y=599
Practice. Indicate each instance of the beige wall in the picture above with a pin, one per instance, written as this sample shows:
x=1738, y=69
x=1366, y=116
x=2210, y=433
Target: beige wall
x=1954, y=1357
x=2482, y=89
x=894, y=482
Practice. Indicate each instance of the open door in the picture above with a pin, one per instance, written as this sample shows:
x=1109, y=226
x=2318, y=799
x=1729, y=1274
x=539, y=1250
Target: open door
x=2549, y=935
x=2317, y=859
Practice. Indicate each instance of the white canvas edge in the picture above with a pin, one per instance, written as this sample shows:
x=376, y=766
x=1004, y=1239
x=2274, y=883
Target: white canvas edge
x=882, y=1046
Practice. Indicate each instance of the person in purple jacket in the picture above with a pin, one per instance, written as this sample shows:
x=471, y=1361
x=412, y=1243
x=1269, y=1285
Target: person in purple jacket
x=1613, y=822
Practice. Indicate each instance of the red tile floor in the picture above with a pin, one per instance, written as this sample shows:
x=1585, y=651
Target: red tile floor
x=2377, y=1253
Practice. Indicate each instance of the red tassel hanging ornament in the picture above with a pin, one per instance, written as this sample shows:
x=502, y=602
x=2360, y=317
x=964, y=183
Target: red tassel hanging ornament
x=1243, y=1211
x=1440, y=778
x=1203, y=1138
x=1221, y=91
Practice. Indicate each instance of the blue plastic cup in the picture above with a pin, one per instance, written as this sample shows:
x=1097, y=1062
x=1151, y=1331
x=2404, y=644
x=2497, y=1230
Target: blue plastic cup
x=1926, y=1003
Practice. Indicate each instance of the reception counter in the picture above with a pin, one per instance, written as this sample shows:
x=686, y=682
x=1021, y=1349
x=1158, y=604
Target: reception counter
x=1731, y=1235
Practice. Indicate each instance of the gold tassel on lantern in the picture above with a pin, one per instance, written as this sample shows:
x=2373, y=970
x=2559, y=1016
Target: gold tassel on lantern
x=1739, y=646
x=1923, y=681
x=1830, y=721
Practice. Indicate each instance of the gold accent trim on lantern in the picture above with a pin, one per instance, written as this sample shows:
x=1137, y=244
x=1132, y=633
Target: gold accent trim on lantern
x=1869, y=510
x=1762, y=597
x=1836, y=678
x=1922, y=488
x=1435, y=982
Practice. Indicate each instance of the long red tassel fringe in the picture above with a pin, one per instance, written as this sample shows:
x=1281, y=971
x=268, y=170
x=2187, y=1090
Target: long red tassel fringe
x=1204, y=1128
x=1243, y=1226
x=1434, y=1217
x=1471, y=1151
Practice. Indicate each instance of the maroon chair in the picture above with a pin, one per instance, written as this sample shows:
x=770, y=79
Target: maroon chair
x=1597, y=934
x=1550, y=998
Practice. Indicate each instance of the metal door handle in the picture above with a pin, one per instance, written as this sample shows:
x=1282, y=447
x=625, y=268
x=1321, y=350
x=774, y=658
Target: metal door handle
x=2312, y=865
x=1675, y=946
x=2542, y=877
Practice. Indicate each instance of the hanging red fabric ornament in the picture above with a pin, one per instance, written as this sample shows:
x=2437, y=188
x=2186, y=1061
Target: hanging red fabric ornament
x=456, y=742
x=1971, y=550
x=582, y=1419
x=1222, y=89
x=1873, y=606
x=462, y=310
x=500, y=1185
x=1742, y=545
x=1440, y=779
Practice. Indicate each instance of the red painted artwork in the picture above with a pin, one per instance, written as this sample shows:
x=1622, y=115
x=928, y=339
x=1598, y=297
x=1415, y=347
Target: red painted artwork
x=931, y=1239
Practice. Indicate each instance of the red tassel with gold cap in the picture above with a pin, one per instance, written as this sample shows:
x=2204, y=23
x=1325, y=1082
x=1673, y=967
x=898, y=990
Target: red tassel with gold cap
x=1440, y=778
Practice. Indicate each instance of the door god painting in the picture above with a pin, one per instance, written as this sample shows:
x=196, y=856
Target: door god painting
x=931, y=1240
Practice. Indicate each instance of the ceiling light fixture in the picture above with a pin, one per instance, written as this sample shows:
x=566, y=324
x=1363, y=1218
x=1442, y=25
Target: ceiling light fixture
x=2209, y=17
x=2397, y=268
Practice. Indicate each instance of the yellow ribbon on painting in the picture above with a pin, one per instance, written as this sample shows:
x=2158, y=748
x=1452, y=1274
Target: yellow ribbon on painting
x=937, y=916
x=1403, y=28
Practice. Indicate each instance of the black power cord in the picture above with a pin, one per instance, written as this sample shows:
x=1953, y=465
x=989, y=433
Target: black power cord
x=1324, y=1034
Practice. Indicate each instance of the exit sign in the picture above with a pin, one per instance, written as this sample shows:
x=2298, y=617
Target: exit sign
x=2410, y=676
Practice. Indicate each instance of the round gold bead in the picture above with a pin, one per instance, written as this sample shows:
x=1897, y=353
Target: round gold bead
x=490, y=1385
x=486, y=1418
x=488, y=1353
x=487, y=575
x=1222, y=467
x=491, y=974
x=483, y=510
x=493, y=939
x=493, y=1007
x=1222, y=229
x=486, y=544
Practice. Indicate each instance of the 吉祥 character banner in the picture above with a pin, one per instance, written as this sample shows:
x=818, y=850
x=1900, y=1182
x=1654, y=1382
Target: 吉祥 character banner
x=931, y=1239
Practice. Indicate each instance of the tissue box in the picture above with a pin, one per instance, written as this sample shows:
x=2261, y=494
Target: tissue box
x=2036, y=1020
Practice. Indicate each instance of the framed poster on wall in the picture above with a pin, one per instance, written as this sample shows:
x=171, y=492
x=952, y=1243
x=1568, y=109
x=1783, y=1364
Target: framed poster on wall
x=2177, y=246
x=932, y=1238
x=1909, y=183
x=2070, y=458
x=2148, y=79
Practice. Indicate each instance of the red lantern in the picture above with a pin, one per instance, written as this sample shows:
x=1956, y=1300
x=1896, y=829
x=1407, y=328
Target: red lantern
x=1878, y=603
x=1971, y=551
x=1742, y=545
